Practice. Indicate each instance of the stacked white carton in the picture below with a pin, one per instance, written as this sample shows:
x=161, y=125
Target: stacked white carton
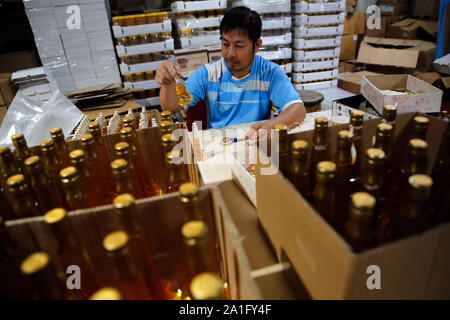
x=74, y=41
x=198, y=22
x=317, y=26
x=276, y=29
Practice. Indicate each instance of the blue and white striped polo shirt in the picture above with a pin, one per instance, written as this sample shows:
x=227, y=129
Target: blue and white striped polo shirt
x=232, y=101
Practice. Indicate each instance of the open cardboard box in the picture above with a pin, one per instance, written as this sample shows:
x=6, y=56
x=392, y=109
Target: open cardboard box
x=426, y=99
x=247, y=262
x=415, y=267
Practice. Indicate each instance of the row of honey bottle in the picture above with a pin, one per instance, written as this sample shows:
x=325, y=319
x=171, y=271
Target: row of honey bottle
x=166, y=120
x=83, y=178
x=403, y=199
x=124, y=268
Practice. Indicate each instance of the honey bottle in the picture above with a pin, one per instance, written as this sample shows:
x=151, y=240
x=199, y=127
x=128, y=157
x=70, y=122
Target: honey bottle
x=107, y=293
x=356, y=127
x=207, y=286
x=177, y=171
x=22, y=152
x=22, y=200
x=76, y=198
x=166, y=115
x=299, y=173
x=389, y=115
x=53, y=166
x=320, y=148
x=324, y=194
x=283, y=148
x=62, y=149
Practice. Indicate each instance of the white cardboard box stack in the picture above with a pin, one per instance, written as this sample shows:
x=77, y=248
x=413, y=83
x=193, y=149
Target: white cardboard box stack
x=276, y=29
x=74, y=41
x=317, y=28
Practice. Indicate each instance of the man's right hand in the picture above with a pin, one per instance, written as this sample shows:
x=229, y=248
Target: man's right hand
x=166, y=73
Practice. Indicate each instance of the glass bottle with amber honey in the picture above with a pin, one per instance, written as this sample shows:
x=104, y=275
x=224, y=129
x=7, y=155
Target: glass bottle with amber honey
x=414, y=210
x=356, y=127
x=283, y=148
x=165, y=127
x=8, y=168
x=70, y=252
x=189, y=197
x=22, y=152
x=75, y=196
x=167, y=142
x=345, y=175
x=124, y=182
x=41, y=185
x=419, y=128
x=78, y=159
x=62, y=149
x=177, y=171
x=126, y=210
x=53, y=166
x=99, y=173
x=383, y=141
x=207, y=286
x=122, y=150
x=416, y=162
x=128, y=134
x=324, y=194
x=126, y=270
x=96, y=132
x=199, y=252
x=43, y=282
x=299, y=174
x=22, y=200
x=389, y=115
x=360, y=229
x=320, y=148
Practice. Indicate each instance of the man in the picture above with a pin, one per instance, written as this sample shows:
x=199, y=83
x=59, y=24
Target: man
x=241, y=87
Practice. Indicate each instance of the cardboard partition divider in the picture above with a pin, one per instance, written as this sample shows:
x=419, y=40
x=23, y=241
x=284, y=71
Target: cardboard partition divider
x=415, y=267
x=161, y=219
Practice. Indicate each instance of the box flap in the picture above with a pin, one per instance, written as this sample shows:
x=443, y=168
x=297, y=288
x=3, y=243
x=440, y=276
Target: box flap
x=446, y=82
x=404, y=23
x=428, y=77
x=430, y=26
x=389, y=54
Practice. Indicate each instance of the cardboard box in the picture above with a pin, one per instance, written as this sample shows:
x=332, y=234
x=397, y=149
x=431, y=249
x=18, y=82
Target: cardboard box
x=413, y=29
x=426, y=8
x=344, y=107
x=351, y=81
x=7, y=89
x=412, y=268
x=426, y=99
x=214, y=53
x=397, y=52
x=348, y=47
x=355, y=23
x=190, y=59
x=19, y=60
x=395, y=7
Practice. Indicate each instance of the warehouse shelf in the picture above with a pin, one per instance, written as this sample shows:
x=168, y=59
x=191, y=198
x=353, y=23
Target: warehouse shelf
x=300, y=19
x=313, y=31
x=307, y=7
x=277, y=40
x=181, y=6
x=194, y=23
x=316, y=43
x=277, y=23
x=145, y=48
x=316, y=54
x=287, y=67
x=315, y=65
x=144, y=85
x=316, y=85
x=198, y=41
x=141, y=67
x=282, y=53
x=313, y=76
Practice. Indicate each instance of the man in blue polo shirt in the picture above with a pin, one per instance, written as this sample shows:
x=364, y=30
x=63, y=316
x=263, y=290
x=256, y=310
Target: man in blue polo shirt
x=241, y=87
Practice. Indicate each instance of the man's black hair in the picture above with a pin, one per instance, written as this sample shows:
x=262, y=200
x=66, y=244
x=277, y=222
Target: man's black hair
x=242, y=18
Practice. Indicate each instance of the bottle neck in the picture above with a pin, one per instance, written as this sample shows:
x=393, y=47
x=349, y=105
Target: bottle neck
x=9, y=168
x=91, y=153
x=344, y=156
x=52, y=161
x=320, y=137
x=177, y=174
x=39, y=180
x=124, y=184
x=24, y=204
x=61, y=145
x=23, y=152
x=125, y=266
x=83, y=171
x=373, y=176
x=197, y=258
x=76, y=199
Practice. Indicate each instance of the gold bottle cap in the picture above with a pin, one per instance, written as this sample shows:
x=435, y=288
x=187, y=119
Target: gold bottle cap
x=4, y=151
x=345, y=134
x=128, y=121
x=194, y=231
x=123, y=200
x=206, y=286
x=357, y=114
x=47, y=146
x=116, y=240
x=94, y=128
x=33, y=163
x=56, y=133
x=126, y=133
x=166, y=114
x=326, y=167
x=375, y=154
x=188, y=190
x=122, y=148
x=55, y=215
x=87, y=139
x=69, y=175
x=363, y=201
x=165, y=126
x=390, y=107
x=77, y=156
x=321, y=122
x=384, y=128
x=420, y=181
x=18, y=139
x=422, y=121
x=166, y=139
x=299, y=145
x=107, y=293
x=119, y=166
x=418, y=144
x=173, y=156
x=281, y=128
x=16, y=182
x=34, y=263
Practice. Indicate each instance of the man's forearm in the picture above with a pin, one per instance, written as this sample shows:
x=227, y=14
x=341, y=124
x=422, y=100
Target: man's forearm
x=294, y=114
x=168, y=98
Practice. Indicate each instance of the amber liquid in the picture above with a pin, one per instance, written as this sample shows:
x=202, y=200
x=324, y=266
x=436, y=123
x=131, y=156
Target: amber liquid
x=53, y=166
x=104, y=161
x=25, y=206
x=100, y=180
x=76, y=198
x=46, y=197
x=183, y=96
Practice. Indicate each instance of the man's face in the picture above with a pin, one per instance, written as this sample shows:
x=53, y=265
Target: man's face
x=238, y=50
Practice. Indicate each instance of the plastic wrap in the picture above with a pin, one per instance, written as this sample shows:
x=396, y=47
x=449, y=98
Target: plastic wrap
x=264, y=6
x=35, y=118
